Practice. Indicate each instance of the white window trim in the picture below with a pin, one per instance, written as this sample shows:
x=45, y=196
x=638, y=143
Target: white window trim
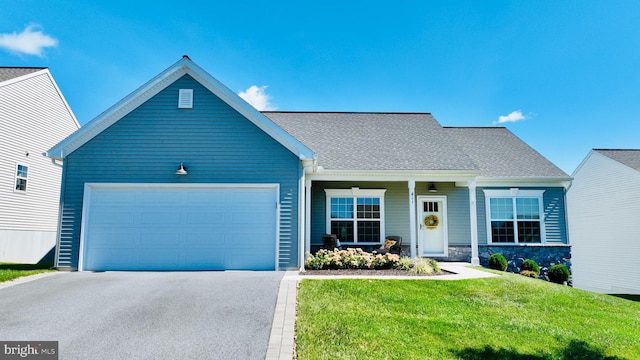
x=16, y=177
x=514, y=193
x=355, y=193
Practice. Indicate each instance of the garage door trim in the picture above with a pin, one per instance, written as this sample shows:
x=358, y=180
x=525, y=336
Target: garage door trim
x=89, y=187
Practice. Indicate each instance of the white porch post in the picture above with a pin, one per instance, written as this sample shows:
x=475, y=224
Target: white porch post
x=307, y=219
x=473, y=213
x=412, y=217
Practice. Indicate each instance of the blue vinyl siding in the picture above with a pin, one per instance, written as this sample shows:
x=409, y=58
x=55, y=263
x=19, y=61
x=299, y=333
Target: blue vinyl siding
x=215, y=143
x=554, y=215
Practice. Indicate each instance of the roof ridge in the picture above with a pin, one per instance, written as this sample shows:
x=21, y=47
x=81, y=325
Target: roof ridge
x=23, y=67
x=346, y=112
x=474, y=127
x=616, y=149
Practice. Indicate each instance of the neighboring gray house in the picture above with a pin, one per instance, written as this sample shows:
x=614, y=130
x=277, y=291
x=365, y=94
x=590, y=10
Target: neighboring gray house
x=33, y=117
x=183, y=174
x=604, y=205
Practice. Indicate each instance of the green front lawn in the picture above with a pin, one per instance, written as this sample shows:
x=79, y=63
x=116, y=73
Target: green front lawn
x=10, y=271
x=507, y=317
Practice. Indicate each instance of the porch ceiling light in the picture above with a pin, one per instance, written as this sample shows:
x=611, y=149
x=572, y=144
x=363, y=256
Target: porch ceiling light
x=432, y=188
x=181, y=170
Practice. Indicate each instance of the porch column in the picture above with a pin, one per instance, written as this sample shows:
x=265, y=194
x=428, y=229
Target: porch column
x=412, y=217
x=473, y=213
x=307, y=219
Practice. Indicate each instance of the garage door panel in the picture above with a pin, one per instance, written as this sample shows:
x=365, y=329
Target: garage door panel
x=110, y=215
x=202, y=217
x=112, y=259
x=181, y=228
x=202, y=241
x=166, y=240
x=113, y=197
x=156, y=258
x=104, y=240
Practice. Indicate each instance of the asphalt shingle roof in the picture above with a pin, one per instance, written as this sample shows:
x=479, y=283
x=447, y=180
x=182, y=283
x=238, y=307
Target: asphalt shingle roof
x=499, y=153
x=374, y=141
x=407, y=141
x=8, y=73
x=629, y=157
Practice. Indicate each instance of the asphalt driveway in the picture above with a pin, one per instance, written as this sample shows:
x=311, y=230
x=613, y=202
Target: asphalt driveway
x=145, y=315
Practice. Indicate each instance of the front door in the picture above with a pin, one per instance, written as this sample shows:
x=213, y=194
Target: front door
x=432, y=226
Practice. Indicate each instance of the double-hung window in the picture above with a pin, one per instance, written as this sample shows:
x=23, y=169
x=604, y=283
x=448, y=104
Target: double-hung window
x=356, y=216
x=22, y=173
x=514, y=216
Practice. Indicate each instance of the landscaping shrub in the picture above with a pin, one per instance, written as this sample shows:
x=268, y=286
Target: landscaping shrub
x=425, y=266
x=558, y=273
x=405, y=264
x=497, y=262
x=529, y=273
x=350, y=259
x=531, y=265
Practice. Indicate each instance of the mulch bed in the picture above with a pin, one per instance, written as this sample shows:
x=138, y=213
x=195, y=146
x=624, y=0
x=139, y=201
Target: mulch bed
x=364, y=272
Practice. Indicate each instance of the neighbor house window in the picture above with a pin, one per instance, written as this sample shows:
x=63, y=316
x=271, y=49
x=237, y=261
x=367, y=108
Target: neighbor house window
x=355, y=215
x=22, y=173
x=514, y=216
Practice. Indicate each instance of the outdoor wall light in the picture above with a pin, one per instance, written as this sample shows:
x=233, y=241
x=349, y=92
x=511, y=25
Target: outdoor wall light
x=432, y=188
x=181, y=170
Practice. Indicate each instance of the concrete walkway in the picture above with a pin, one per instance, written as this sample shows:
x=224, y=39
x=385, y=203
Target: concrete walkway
x=281, y=340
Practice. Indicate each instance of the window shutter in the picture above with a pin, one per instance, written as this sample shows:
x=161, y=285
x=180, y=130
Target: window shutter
x=185, y=99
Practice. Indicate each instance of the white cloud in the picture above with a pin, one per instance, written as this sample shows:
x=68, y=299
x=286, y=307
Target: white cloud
x=31, y=41
x=258, y=98
x=513, y=117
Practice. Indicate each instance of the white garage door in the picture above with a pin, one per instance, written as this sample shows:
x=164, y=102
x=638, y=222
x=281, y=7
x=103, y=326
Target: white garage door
x=173, y=227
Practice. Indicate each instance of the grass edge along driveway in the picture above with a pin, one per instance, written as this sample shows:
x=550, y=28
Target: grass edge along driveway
x=507, y=317
x=10, y=271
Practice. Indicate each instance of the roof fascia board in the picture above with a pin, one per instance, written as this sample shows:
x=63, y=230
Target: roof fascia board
x=25, y=77
x=249, y=112
x=528, y=182
x=614, y=161
x=391, y=176
x=64, y=101
x=584, y=161
x=160, y=82
x=46, y=72
x=116, y=112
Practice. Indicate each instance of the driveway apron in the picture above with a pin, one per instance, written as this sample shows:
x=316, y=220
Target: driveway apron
x=145, y=315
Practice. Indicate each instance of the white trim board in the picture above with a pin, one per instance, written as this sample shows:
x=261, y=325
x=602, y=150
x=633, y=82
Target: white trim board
x=151, y=88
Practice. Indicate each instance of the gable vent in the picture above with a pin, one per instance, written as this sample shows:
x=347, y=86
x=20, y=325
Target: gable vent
x=185, y=99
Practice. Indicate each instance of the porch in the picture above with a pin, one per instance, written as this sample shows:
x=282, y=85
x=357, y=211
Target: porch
x=430, y=216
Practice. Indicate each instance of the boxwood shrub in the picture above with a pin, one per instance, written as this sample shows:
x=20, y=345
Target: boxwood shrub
x=497, y=262
x=531, y=265
x=558, y=273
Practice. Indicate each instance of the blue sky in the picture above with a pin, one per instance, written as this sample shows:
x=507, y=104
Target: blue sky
x=564, y=76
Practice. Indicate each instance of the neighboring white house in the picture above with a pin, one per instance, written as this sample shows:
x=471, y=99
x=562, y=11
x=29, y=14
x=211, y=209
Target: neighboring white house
x=604, y=222
x=33, y=117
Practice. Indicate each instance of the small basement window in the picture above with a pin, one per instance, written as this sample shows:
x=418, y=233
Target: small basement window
x=185, y=99
x=22, y=173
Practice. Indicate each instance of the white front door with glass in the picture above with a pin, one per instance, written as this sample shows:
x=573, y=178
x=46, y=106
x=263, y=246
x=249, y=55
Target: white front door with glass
x=432, y=226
